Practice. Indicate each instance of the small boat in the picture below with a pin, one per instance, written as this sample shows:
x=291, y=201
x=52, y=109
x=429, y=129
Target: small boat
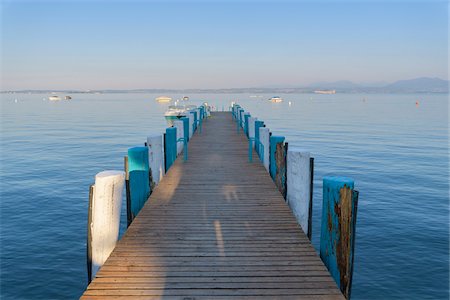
x=67, y=97
x=163, y=99
x=176, y=112
x=185, y=98
x=276, y=99
x=54, y=98
x=326, y=92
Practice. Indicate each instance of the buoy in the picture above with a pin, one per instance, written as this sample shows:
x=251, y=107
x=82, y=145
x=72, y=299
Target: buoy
x=417, y=103
x=290, y=103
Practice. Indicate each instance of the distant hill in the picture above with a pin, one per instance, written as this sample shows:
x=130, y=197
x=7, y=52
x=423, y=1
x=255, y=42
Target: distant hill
x=417, y=85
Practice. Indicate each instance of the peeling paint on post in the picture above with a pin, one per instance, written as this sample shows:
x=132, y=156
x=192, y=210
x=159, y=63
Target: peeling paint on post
x=264, y=138
x=299, y=187
x=155, y=158
x=258, y=125
x=251, y=129
x=280, y=161
x=337, y=240
x=274, y=140
x=178, y=124
x=139, y=179
x=170, y=146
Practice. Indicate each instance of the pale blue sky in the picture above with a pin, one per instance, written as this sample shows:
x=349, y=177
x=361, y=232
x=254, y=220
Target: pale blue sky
x=152, y=44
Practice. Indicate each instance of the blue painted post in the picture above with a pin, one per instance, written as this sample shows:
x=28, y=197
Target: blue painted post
x=258, y=124
x=202, y=112
x=337, y=240
x=274, y=140
x=139, y=181
x=246, y=116
x=195, y=120
x=170, y=146
x=185, y=128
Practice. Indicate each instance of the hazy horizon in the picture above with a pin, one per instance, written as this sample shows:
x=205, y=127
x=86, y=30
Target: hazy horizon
x=199, y=45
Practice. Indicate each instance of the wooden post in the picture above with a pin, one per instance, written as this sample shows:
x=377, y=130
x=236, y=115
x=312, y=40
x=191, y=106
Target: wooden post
x=190, y=115
x=337, y=240
x=89, y=234
x=185, y=128
x=170, y=146
x=178, y=124
x=251, y=129
x=246, y=116
x=155, y=158
x=280, y=163
x=104, y=217
x=127, y=191
x=264, y=138
x=258, y=124
x=138, y=174
x=299, y=188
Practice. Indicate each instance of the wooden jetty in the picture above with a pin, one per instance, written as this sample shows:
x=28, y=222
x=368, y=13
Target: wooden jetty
x=217, y=227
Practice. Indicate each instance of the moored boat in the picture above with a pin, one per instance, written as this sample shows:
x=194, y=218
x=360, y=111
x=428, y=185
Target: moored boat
x=176, y=112
x=54, y=98
x=276, y=99
x=163, y=99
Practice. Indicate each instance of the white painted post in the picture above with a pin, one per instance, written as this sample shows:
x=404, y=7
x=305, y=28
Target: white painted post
x=251, y=129
x=191, y=123
x=264, y=138
x=180, y=134
x=299, y=185
x=156, y=158
x=105, y=216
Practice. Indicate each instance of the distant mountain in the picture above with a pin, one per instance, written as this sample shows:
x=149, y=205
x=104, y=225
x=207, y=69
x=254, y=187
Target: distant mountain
x=417, y=85
x=336, y=85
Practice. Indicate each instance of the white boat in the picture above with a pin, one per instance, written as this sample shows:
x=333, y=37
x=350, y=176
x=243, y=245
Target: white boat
x=326, y=92
x=54, y=98
x=185, y=98
x=276, y=99
x=67, y=97
x=163, y=99
x=176, y=112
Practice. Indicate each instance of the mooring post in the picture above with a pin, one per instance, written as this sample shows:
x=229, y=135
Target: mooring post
x=258, y=124
x=190, y=115
x=195, y=120
x=299, y=188
x=170, y=146
x=264, y=139
x=274, y=140
x=337, y=240
x=251, y=129
x=185, y=128
x=127, y=191
x=105, y=203
x=178, y=124
x=155, y=158
x=246, y=116
x=139, y=179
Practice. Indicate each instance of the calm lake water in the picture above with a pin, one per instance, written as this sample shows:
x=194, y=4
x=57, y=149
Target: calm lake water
x=396, y=151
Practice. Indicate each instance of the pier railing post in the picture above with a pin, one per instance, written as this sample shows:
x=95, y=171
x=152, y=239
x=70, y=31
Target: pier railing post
x=251, y=130
x=264, y=139
x=258, y=124
x=337, y=240
x=155, y=158
x=178, y=124
x=299, y=186
x=139, y=180
x=170, y=146
x=105, y=203
x=245, y=122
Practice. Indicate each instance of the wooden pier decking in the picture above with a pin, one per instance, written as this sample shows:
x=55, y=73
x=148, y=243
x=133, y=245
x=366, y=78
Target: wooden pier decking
x=215, y=227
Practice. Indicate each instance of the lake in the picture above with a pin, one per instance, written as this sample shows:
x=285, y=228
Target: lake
x=394, y=148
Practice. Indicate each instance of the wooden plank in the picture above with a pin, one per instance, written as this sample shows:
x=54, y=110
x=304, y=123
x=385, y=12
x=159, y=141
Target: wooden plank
x=215, y=226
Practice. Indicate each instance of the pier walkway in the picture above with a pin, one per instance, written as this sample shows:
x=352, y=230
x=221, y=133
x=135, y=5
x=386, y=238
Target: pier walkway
x=215, y=227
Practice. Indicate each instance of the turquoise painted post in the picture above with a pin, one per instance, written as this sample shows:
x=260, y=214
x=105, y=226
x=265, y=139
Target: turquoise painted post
x=246, y=124
x=139, y=181
x=185, y=128
x=258, y=124
x=337, y=240
x=274, y=140
x=202, y=112
x=195, y=120
x=170, y=146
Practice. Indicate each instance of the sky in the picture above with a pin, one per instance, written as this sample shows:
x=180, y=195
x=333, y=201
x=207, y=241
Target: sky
x=205, y=44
